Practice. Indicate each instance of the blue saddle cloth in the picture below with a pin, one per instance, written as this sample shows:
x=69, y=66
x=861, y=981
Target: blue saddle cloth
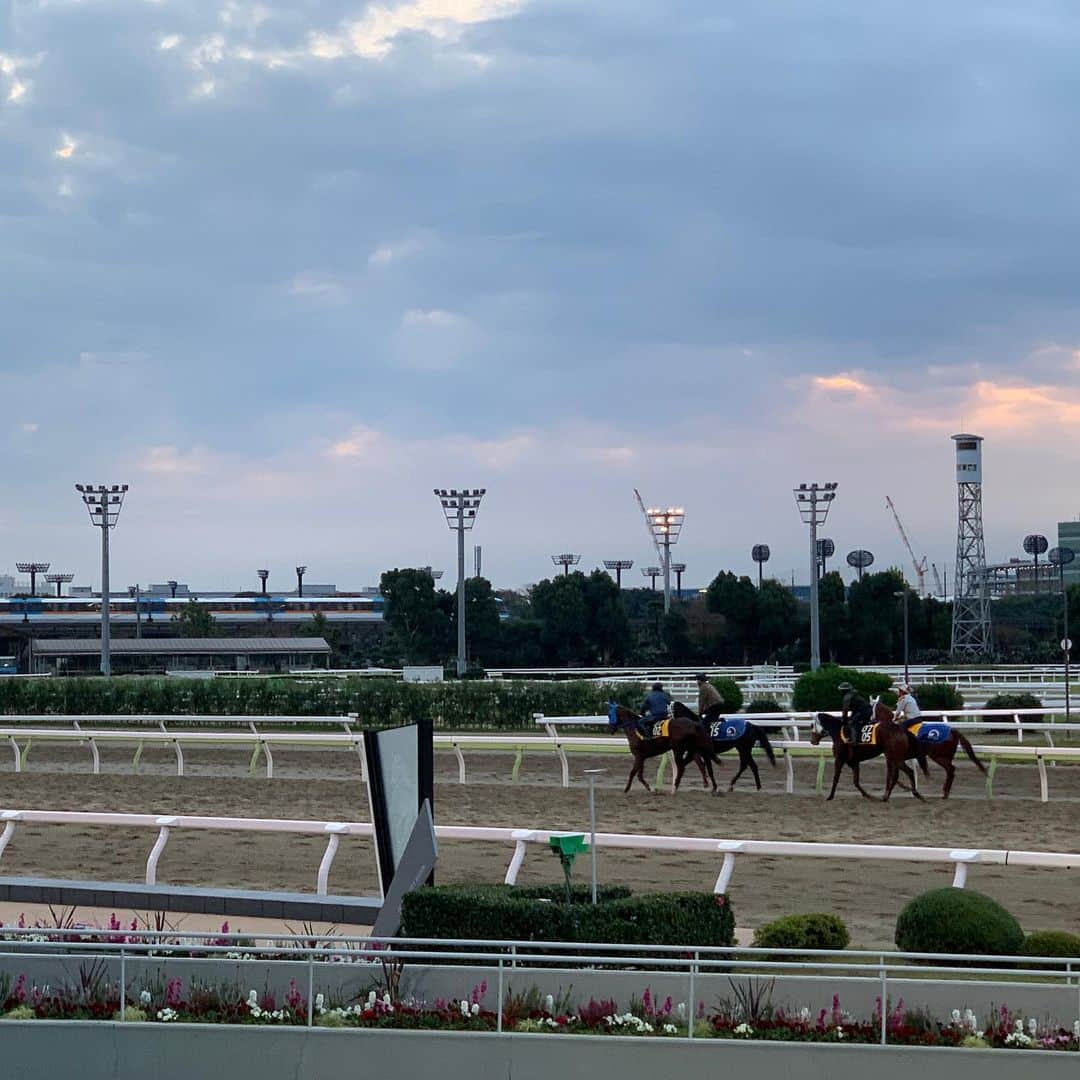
x=937, y=732
x=728, y=729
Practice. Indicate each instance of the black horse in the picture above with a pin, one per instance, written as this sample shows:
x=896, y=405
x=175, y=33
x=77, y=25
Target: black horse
x=752, y=736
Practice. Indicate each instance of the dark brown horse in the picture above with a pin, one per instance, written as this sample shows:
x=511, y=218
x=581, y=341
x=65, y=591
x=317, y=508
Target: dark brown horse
x=890, y=739
x=751, y=736
x=683, y=737
x=941, y=753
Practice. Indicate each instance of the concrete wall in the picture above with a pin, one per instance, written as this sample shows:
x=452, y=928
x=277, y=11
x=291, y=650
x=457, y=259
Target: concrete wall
x=45, y=1050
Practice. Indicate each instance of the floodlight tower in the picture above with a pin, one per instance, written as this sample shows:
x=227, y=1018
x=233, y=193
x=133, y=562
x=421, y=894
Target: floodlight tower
x=760, y=553
x=300, y=572
x=813, y=501
x=59, y=580
x=666, y=525
x=262, y=575
x=1035, y=544
x=860, y=560
x=826, y=550
x=652, y=573
x=971, y=602
x=103, y=503
x=678, y=569
x=566, y=560
x=460, y=508
x=433, y=574
x=618, y=565
x=33, y=569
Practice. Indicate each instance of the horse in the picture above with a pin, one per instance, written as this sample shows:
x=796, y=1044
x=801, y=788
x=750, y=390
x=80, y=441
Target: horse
x=893, y=741
x=752, y=735
x=680, y=732
x=943, y=752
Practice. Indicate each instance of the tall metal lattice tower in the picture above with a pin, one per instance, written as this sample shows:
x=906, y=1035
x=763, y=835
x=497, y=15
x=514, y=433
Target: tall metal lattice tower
x=971, y=602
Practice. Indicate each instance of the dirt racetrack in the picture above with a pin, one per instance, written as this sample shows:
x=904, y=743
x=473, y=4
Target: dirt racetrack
x=327, y=786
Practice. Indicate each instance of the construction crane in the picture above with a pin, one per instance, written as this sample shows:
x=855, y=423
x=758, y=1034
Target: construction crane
x=920, y=565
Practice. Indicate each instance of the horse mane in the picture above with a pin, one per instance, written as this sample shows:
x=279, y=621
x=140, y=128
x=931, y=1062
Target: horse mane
x=679, y=709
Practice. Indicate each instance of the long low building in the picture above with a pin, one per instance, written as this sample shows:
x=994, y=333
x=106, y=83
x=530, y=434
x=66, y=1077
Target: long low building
x=67, y=656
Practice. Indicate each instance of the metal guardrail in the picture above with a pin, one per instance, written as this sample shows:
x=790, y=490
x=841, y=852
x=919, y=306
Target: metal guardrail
x=509, y=957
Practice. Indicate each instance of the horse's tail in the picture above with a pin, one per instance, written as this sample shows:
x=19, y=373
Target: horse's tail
x=962, y=739
x=763, y=742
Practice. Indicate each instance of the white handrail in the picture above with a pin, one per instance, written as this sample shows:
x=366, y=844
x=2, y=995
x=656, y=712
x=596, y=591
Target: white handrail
x=728, y=849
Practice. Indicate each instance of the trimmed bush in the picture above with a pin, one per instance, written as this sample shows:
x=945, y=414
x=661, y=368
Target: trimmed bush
x=803, y=932
x=541, y=914
x=1014, y=701
x=1052, y=943
x=958, y=921
x=764, y=705
x=938, y=695
x=731, y=693
x=484, y=705
x=817, y=690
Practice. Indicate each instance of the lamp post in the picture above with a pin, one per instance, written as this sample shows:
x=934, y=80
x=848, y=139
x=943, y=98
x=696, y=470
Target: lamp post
x=813, y=501
x=904, y=593
x=262, y=575
x=460, y=508
x=618, y=565
x=59, y=580
x=860, y=560
x=592, y=774
x=136, y=594
x=33, y=569
x=652, y=573
x=104, y=503
x=300, y=572
x=1061, y=557
x=666, y=525
x=566, y=560
x=678, y=569
x=1035, y=545
x=760, y=553
x=172, y=588
x=826, y=550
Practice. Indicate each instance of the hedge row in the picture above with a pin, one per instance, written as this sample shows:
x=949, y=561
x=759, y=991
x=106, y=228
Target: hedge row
x=484, y=706
x=510, y=912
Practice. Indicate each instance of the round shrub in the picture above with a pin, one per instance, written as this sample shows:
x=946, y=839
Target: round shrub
x=803, y=932
x=764, y=705
x=938, y=695
x=1014, y=701
x=818, y=690
x=958, y=921
x=730, y=693
x=1052, y=943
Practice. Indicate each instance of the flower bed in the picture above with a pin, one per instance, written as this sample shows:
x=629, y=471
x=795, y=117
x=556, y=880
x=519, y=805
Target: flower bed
x=747, y=1016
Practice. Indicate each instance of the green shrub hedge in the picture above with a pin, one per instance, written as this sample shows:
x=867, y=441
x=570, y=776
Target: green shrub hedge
x=510, y=912
x=938, y=695
x=817, y=690
x=1052, y=943
x=803, y=932
x=764, y=705
x=482, y=705
x=730, y=692
x=958, y=921
x=1013, y=701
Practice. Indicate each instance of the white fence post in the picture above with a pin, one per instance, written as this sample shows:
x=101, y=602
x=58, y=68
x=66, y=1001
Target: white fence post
x=158, y=848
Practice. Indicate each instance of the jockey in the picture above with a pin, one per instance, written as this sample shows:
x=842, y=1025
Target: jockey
x=708, y=697
x=907, y=708
x=655, y=709
x=856, y=712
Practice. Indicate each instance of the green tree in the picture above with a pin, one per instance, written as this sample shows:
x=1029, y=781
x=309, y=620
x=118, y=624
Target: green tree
x=778, y=619
x=736, y=599
x=876, y=618
x=607, y=629
x=418, y=623
x=194, y=621
x=559, y=605
x=481, y=621
x=832, y=606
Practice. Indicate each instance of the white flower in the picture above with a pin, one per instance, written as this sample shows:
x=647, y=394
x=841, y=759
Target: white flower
x=680, y=1010
x=1018, y=1038
x=1076, y=1029
x=371, y=999
x=670, y=1029
x=970, y=1020
x=386, y=998
x=319, y=1002
x=464, y=1007
x=1019, y=1026
x=1033, y=1027
x=475, y=1009
x=549, y=1004
x=165, y=1015
x=253, y=998
x=804, y=1014
x=956, y=1016
x=744, y=1030
x=145, y=998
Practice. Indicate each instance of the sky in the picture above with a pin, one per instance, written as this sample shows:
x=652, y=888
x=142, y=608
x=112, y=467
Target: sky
x=284, y=268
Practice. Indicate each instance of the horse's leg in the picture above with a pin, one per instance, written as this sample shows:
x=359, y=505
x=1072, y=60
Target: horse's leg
x=891, y=774
x=742, y=768
x=946, y=762
x=862, y=791
x=753, y=765
x=836, y=776
x=641, y=776
x=911, y=776
x=633, y=772
x=701, y=759
x=712, y=775
x=680, y=767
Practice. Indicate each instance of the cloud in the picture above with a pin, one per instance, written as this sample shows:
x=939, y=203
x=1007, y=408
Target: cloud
x=842, y=384
x=67, y=147
x=172, y=461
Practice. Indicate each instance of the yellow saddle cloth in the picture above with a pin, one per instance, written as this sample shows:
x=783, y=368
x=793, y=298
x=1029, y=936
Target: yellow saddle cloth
x=867, y=735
